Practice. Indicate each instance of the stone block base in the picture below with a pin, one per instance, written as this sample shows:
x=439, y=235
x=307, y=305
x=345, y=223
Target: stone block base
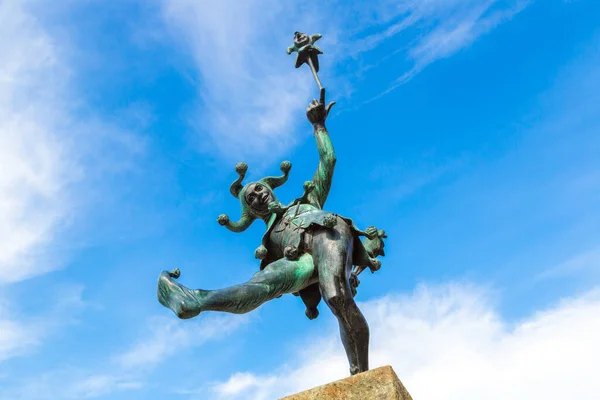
x=377, y=384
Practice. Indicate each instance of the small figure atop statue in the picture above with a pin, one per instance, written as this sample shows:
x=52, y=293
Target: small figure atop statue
x=308, y=53
x=305, y=250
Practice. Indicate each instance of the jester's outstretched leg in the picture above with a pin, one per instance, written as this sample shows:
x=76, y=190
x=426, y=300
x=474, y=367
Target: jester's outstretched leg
x=278, y=278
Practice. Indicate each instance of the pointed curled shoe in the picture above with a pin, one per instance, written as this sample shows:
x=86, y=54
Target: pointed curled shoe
x=185, y=303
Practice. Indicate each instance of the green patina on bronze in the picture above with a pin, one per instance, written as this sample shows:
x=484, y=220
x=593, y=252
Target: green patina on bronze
x=305, y=250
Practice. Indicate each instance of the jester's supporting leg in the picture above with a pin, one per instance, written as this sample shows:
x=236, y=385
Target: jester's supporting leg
x=278, y=278
x=332, y=253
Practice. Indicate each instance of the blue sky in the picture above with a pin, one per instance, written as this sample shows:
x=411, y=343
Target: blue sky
x=468, y=130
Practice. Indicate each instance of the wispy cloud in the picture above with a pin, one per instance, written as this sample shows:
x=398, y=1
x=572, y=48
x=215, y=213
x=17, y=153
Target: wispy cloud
x=585, y=265
x=16, y=338
x=47, y=146
x=68, y=383
x=442, y=29
x=22, y=332
x=165, y=337
x=99, y=385
x=397, y=182
x=127, y=370
x=34, y=147
x=453, y=336
x=248, y=94
x=251, y=100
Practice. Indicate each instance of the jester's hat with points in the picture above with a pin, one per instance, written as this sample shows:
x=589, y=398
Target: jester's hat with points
x=249, y=214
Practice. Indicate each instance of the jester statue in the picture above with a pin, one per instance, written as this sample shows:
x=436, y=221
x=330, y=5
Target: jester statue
x=306, y=250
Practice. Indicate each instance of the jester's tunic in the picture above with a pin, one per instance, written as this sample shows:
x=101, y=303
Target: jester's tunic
x=288, y=230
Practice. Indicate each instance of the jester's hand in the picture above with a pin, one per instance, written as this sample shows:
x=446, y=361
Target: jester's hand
x=316, y=112
x=371, y=232
x=275, y=207
x=223, y=219
x=308, y=186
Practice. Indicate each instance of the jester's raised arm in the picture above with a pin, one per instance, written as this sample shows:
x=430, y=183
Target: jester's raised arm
x=317, y=114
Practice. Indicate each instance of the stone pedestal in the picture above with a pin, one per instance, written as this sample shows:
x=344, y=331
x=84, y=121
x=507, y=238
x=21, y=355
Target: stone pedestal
x=377, y=384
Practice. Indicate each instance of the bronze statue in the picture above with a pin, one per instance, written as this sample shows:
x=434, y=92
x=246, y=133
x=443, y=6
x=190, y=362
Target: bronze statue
x=306, y=250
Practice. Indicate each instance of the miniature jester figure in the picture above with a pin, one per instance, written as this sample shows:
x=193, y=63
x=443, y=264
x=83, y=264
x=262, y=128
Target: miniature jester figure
x=305, y=250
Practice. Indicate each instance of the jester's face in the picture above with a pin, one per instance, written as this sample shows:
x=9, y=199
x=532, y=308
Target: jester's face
x=301, y=39
x=258, y=197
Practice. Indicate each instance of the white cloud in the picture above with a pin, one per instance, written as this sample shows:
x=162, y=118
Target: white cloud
x=67, y=384
x=47, y=146
x=34, y=147
x=585, y=264
x=100, y=385
x=15, y=338
x=127, y=371
x=252, y=98
x=444, y=28
x=42, y=145
x=22, y=331
x=449, y=342
x=249, y=90
x=168, y=336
